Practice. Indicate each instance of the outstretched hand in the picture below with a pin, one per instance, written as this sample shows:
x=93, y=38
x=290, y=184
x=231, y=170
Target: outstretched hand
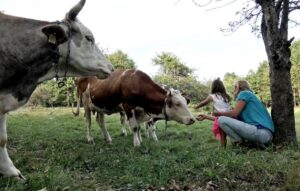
x=200, y=117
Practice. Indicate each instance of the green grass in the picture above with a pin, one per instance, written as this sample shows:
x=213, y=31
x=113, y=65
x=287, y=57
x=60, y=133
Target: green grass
x=49, y=146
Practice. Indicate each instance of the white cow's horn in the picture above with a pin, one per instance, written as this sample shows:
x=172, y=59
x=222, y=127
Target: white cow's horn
x=75, y=10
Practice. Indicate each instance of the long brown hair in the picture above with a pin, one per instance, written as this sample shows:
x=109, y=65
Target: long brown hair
x=218, y=88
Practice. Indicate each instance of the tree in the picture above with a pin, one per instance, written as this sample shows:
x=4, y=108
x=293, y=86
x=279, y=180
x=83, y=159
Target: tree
x=274, y=30
x=175, y=74
x=271, y=18
x=121, y=60
x=170, y=64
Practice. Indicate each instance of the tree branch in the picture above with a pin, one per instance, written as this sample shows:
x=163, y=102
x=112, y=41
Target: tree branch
x=278, y=8
x=202, y=5
x=247, y=15
x=226, y=4
x=284, y=19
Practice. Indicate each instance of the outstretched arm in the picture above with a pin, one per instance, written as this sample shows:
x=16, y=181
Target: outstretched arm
x=204, y=102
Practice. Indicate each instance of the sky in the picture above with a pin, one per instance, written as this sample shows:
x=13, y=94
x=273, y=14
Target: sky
x=145, y=28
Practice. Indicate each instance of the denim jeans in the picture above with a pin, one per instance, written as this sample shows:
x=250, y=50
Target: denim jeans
x=238, y=130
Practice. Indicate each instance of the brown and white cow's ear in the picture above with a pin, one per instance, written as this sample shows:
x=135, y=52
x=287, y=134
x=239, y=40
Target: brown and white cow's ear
x=169, y=93
x=55, y=33
x=168, y=101
x=188, y=100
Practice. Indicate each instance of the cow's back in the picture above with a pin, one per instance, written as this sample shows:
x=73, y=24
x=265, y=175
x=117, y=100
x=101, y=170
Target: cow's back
x=138, y=89
x=104, y=93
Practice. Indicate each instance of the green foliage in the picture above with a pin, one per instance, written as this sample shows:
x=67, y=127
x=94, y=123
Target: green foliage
x=121, y=60
x=49, y=146
x=295, y=70
x=171, y=65
x=175, y=74
x=42, y=96
x=229, y=81
x=260, y=82
x=49, y=94
x=187, y=85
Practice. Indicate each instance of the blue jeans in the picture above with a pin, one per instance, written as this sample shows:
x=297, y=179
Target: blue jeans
x=238, y=130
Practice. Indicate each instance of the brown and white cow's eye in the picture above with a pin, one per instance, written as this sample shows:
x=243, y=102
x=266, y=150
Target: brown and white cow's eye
x=177, y=104
x=90, y=39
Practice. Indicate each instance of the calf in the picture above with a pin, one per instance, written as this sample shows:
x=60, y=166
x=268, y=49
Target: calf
x=33, y=51
x=132, y=89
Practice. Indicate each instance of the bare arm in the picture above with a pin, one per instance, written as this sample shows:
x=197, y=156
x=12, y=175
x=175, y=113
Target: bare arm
x=234, y=113
x=204, y=102
x=201, y=117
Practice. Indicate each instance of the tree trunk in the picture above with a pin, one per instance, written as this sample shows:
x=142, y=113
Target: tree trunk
x=278, y=52
x=295, y=96
x=282, y=106
x=298, y=103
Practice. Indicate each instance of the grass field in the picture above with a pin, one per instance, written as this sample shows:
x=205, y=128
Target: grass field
x=49, y=146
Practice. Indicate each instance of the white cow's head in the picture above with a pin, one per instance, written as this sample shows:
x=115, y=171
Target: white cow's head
x=77, y=41
x=177, y=109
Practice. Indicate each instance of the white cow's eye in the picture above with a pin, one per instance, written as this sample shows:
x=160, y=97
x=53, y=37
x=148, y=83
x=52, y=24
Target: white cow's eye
x=90, y=39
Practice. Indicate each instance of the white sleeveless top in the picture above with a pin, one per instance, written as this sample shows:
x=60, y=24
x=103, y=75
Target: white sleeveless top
x=219, y=103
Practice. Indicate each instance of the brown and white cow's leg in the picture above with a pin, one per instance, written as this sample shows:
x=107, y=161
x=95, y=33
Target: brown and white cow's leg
x=134, y=124
x=135, y=127
x=151, y=129
x=100, y=120
x=123, y=123
x=7, y=167
x=147, y=133
x=139, y=133
x=138, y=119
x=87, y=115
x=135, y=130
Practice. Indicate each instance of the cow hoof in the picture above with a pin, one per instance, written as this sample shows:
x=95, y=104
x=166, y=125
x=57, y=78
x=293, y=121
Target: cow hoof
x=91, y=141
x=137, y=144
x=124, y=134
x=21, y=177
x=13, y=172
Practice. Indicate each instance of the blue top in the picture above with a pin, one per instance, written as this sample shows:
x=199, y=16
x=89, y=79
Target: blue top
x=254, y=112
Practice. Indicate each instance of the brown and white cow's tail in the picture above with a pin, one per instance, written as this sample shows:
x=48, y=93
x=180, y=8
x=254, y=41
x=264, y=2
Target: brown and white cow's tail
x=76, y=113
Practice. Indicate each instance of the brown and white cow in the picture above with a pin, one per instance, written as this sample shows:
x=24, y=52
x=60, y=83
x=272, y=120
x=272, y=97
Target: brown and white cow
x=32, y=51
x=132, y=89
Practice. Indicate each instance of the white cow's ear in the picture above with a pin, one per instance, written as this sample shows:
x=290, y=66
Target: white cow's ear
x=55, y=33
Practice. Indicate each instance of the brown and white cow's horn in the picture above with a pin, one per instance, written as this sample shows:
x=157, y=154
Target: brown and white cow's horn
x=72, y=14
